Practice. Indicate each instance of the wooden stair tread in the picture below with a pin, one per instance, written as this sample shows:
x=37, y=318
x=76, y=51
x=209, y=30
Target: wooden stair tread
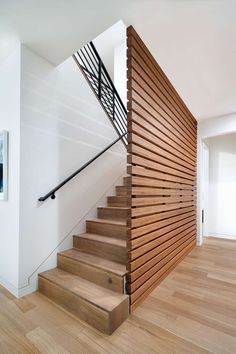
x=109, y=221
x=115, y=207
x=98, y=262
x=104, y=239
x=90, y=278
x=103, y=298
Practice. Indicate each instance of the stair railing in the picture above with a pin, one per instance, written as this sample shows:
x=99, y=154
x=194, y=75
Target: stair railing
x=91, y=65
x=52, y=195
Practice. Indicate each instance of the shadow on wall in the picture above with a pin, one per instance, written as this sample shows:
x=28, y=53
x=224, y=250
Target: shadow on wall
x=63, y=126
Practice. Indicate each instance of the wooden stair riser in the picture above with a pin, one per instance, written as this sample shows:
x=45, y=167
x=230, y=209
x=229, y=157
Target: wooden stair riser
x=127, y=181
x=121, y=201
x=112, y=230
x=112, y=252
x=113, y=213
x=96, y=275
x=90, y=279
x=123, y=191
x=104, y=321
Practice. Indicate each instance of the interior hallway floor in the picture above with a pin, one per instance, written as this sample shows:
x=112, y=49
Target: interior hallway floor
x=192, y=311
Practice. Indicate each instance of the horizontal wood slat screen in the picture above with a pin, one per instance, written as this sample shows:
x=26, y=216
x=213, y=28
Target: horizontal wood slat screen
x=162, y=169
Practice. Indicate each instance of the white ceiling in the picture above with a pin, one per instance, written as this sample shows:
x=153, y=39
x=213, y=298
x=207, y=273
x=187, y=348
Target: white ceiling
x=193, y=41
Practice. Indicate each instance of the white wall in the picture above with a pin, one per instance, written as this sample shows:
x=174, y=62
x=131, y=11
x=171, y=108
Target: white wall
x=9, y=209
x=206, y=129
x=106, y=43
x=205, y=188
x=217, y=126
x=222, y=186
x=120, y=70
x=62, y=127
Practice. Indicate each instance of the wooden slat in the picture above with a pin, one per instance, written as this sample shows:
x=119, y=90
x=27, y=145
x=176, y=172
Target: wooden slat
x=153, y=124
x=163, y=272
x=145, y=80
x=143, y=259
x=150, y=116
x=144, y=243
x=143, y=152
x=162, y=168
x=155, y=115
x=133, y=36
x=146, y=220
x=164, y=125
x=137, y=140
x=158, y=183
x=144, y=162
x=147, y=210
x=142, y=191
x=143, y=296
x=162, y=141
x=135, y=43
x=166, y=248
x=160, y=200
x=154, y=97
x=160, y=224
x=144, y=172
x=134, y=285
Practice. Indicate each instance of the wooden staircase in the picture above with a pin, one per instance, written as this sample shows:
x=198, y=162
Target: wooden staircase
x=90, y=278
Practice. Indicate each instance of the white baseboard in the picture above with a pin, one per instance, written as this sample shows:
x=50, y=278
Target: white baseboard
x=11, y=288
x=228, y=237
x=31, y=284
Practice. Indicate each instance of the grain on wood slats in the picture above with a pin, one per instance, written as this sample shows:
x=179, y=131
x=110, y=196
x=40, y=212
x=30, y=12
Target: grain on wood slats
x=139, y=142
x=166, y=257
x=148, y=210
x=134, y=39
x=162, y=141
x=138, y=296
x=146, y=220
x=164, y=249
x=162, y=168
x=140, y=90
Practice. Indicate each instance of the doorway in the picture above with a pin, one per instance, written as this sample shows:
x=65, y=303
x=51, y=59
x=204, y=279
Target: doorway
x=218, y=185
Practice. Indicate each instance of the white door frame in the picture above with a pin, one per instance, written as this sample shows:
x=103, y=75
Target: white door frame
x=208, y=129
x=205, y=188
x=199, y=188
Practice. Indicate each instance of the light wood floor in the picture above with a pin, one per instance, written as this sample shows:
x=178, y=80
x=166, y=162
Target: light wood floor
x=192, y=311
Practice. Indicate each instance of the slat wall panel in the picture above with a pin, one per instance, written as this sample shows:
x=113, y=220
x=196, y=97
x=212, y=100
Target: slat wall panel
x=162, y=168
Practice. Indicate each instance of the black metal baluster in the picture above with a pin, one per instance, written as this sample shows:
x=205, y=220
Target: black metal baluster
x=103, y=87
x=99, y=78
x=113, y=106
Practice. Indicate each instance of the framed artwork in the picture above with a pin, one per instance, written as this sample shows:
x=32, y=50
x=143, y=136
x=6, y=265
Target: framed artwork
x=3, y=164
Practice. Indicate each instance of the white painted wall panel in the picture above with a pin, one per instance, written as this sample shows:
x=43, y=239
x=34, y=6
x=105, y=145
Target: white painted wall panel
x=9, y=209
x=209, y=128
x=222, y=186
x=62, y=127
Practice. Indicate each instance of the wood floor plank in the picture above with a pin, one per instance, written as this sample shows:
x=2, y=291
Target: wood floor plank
x=187, y=313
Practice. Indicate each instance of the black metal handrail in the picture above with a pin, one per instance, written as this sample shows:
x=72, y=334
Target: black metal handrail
x=91, y=65
x=95, y=72
x=51, y=194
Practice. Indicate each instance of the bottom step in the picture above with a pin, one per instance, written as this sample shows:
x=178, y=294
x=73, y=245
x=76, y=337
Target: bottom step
x=101, y=308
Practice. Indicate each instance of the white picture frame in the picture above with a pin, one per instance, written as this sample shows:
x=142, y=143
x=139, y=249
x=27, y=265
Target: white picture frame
x=3, y=165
